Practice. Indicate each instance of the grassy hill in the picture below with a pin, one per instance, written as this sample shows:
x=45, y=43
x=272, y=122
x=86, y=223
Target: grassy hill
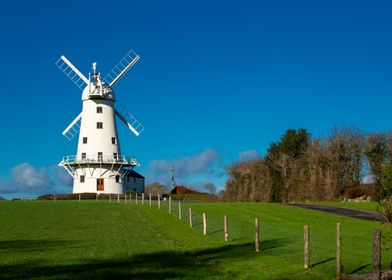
x=88, y=239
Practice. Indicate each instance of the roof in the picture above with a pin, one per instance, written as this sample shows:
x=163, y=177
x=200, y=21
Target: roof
x=134, y=174
x=184, y=190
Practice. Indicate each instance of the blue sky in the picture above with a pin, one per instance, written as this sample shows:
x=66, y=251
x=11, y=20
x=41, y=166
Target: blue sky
x=217, y=80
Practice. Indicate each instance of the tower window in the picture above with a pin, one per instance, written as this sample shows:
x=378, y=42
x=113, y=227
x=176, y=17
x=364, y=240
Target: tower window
x=99, y=110
x=99, y=125
x=81, y=178
x=113, y=140
x=115, y=156
x=100, y=156
x=84, y=140
x=83, y=156
x=117, y=178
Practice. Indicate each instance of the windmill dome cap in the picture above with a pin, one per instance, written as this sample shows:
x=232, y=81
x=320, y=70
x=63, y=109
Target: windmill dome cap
x=108, y=92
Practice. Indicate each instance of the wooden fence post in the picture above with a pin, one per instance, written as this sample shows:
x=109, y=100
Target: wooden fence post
x=125, y=198
x=118, y=198
x=306, y=247
x=136, y=198
x=257, y=235
x=143, y=198
x=54, y=197
x=338, y=253
x=226, y=228
x=190, y=218
x=179, y=210
x=149, y=197
x=204, y=223
x=96, y=197
x=130, y=198
x=170, y=205
x=110, y=198
x=377, y=254
x=159, y=201
x=79, y=197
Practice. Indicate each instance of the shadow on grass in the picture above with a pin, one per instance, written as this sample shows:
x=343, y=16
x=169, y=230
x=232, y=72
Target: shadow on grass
x=198, y=264
x=7, y=247
x=359, y=268
x=321, y=262
x=216, y=231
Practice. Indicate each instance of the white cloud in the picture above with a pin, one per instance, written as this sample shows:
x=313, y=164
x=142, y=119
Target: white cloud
x=248, y=155
x=29, y=180
x=30, y=177
x=206, y=163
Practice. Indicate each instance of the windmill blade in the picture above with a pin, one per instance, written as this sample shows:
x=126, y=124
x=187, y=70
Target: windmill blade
x=73, y=128
x=121, y=68
x=130, y=121
x=72, y=72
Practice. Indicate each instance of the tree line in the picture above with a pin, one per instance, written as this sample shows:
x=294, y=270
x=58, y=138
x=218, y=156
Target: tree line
x=299, y=168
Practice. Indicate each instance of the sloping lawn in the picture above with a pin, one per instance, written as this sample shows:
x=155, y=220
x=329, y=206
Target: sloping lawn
x=88, y=239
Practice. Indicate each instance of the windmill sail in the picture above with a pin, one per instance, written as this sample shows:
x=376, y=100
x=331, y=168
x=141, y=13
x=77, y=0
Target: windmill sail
x=71, y=72
x=121, y=68
x=128, y=119
x=73, y=128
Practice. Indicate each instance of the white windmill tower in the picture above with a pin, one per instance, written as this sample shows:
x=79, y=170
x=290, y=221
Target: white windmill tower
x=99, y=165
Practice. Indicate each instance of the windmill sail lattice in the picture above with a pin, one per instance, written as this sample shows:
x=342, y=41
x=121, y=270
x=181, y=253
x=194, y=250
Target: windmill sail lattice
x=121, y=68
x=71, y=72
x=73, y=128
x=133, y=124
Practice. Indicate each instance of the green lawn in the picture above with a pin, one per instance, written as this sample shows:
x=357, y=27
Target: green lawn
x=65, y=239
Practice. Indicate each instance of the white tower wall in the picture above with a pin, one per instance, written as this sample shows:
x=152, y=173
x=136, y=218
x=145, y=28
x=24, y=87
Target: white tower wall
x=90, y=184
x=94, y=140
x=98, y=139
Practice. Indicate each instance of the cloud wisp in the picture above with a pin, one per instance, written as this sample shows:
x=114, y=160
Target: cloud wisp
x=248, y=155
x=31, y=181
x=204, y=164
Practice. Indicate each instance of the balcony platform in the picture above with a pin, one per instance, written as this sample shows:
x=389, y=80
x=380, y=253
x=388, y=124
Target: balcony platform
x=74, y=160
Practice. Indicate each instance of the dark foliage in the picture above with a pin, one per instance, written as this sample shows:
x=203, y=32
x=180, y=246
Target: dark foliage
x=299, y=168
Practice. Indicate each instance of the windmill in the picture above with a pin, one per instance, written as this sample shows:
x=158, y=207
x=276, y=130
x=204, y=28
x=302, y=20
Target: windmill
x=99, y=166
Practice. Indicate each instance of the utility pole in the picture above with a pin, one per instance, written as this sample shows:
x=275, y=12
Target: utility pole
x=173, y=184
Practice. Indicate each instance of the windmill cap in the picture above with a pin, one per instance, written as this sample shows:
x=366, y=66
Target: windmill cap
x=108, y=93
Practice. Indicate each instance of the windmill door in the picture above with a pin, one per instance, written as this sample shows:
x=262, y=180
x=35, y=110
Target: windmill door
x=100, y=185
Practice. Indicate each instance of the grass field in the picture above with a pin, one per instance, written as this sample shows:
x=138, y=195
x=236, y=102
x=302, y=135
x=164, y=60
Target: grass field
x=66, y=239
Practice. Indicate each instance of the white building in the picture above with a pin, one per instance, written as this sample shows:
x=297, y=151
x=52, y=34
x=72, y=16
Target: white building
x=99, y=166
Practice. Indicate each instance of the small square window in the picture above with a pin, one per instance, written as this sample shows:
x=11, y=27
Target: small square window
x=99, y=110
x=83, y=156
x=84, y=140
x=115, y=156
x=99, y=125
x=117, y=178
x=113, y=140
x=81, y=178
x=100, y=156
